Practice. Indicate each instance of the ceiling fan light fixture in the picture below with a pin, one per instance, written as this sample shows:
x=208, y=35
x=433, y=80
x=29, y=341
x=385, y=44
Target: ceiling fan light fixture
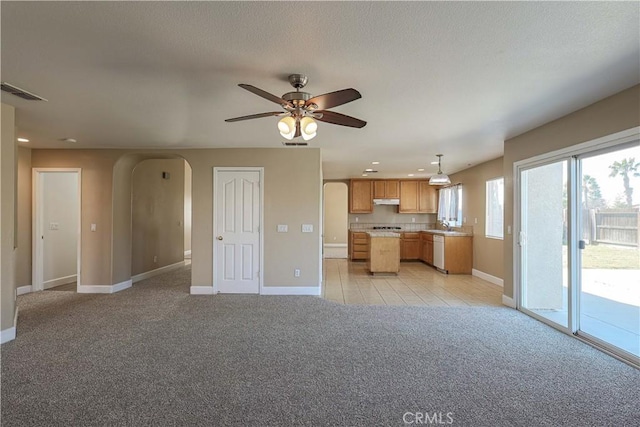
x=439, y=178
x=308, y=125
x=287, y=127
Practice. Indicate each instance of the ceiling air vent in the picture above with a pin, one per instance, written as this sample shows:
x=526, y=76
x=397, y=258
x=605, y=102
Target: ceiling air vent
x=20, y=92
x=295, y=144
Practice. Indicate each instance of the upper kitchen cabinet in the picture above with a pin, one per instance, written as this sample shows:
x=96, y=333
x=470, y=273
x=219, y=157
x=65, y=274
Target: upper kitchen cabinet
x=427, y=198
x=408, y=197
x=417, y=197
x=361, y=196
x=386, y=189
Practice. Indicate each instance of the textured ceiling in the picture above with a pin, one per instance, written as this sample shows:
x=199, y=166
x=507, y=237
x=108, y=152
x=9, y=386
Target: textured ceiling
x=452, y=77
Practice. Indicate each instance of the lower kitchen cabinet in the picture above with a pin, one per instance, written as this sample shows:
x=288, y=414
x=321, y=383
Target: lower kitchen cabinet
x=426, y=240
x=358, y=245
x=410, y=246
x=458, y=254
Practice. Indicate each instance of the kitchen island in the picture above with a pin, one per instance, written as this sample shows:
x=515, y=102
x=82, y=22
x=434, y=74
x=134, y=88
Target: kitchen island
x=384, y=252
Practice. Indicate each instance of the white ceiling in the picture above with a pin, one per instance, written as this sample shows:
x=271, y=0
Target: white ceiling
x=456, y=78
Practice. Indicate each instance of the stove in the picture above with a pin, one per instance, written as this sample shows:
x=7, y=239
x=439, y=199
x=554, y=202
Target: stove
x=387, y=228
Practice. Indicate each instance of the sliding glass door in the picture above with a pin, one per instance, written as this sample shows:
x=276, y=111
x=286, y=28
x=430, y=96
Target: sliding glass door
x=543, y=242
x=609, y=298
x=577, y=253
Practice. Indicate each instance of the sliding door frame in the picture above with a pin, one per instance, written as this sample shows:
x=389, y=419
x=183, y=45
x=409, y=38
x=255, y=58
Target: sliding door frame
x=573, y=153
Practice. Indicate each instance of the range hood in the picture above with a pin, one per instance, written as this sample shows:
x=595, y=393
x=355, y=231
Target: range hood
x=386, y=201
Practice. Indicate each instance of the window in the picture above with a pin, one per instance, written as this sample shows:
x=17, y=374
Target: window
x=495, y=208
x=450, y=205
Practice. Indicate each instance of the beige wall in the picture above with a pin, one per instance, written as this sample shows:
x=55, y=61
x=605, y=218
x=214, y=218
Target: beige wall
x=8, y=165
x=336, y=211
x=97, y=172
x=488, y=254
x=187, y=207
x=292, y=195
x=23, y=271
x=608, y=116
x=60, y=206
x=157, y=214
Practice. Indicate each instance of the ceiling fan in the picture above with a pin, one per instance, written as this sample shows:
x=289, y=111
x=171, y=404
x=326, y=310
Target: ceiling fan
x=300, y=109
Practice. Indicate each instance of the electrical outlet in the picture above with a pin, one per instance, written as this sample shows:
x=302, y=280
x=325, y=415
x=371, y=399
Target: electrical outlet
x=296, y=272
x=155, y=258
x=413, y=219
x=476, y=220
x=357, y=219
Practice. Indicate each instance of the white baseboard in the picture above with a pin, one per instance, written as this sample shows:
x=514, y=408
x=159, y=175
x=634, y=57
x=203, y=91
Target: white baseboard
x=10, y=333
x=104, y=289
x=201, y=290
x=290, y=290
x=59, y=281
x=161, y=270
x=335, y=250
x=509, y=302
x=187, y=254
x=489, y=278
x=21, y=290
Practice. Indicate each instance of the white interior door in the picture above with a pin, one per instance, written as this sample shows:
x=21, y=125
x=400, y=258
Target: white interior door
x=237, y=212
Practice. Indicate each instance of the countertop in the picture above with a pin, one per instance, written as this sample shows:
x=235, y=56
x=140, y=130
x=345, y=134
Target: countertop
x=448, y=233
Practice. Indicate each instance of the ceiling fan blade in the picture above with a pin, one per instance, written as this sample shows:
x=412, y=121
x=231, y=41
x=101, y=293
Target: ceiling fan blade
x=340, y=119
x=298, y=132
x=255, y=116
x=333, y=99
x=266, y=95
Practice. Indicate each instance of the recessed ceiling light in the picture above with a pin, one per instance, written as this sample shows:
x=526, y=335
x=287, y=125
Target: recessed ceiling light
x=68, y=140
x=368, y=170
x=364, y=174
x=375, y=163
x=23, y=140
x=434, y=163
x=421, y=170
x=410, y=174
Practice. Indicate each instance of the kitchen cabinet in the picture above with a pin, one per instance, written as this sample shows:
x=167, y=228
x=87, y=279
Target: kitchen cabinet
x=384, y=253
x=410, y=246
x=427, y=198
x=358, y=245
x=386, y=189
x=408, y=197
x=360, y=196
x=426, y=240
x=418, y=197
x=458, y=254
x=452, y=254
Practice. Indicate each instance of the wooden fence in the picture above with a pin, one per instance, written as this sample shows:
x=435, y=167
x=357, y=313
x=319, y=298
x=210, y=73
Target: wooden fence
x=612, y=226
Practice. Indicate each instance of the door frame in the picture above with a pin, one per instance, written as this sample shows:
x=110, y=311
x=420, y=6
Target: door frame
x=37, y=255
x=260, y=170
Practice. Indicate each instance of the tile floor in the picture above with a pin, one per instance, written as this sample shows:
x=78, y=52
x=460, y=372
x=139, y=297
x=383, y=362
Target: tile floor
x=417, y=284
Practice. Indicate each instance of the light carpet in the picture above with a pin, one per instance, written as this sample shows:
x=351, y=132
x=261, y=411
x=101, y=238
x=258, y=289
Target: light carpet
x=155, y=355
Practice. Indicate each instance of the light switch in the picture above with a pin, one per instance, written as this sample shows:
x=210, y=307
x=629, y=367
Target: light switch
x=93, y=227
x=54, y=226
x=283, y=228
x=307, y=228
x=508, y=229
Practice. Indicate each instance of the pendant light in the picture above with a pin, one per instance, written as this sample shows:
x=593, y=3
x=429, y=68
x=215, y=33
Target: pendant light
x=440, y=178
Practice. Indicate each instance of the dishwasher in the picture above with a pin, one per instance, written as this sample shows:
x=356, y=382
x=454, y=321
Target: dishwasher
x=438, y=251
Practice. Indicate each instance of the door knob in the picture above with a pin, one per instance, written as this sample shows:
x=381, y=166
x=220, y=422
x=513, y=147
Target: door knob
x=219, y=237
